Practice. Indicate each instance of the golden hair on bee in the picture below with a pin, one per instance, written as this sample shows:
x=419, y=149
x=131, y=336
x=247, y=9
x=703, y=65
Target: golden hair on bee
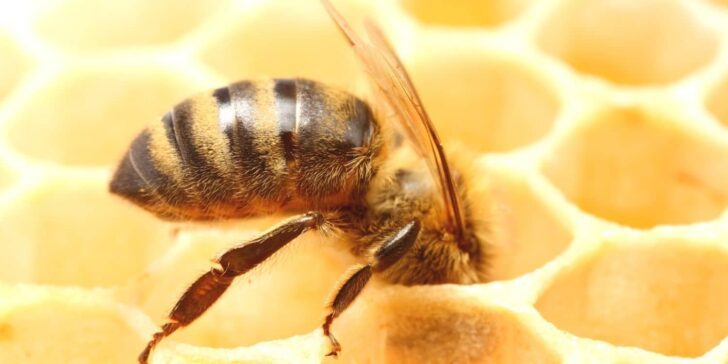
x=375, y=173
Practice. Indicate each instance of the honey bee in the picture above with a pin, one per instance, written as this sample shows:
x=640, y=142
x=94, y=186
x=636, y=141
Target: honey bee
x=299, y=146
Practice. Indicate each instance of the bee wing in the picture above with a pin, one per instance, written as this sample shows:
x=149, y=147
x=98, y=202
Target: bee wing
x=395, y=86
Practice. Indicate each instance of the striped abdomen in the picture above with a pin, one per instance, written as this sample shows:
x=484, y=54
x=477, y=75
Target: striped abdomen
x=252, y=148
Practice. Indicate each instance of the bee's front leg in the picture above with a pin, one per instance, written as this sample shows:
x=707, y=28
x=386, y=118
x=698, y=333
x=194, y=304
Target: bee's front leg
x=387, y=254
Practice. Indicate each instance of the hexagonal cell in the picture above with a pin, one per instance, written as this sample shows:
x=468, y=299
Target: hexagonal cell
x=464, y=13
x=434, y=324
x=72, y=231
x=629, y=166
x=54, y=326
x=90, y=116
x=717, y=102
x=666, y=297
x=286, y=296
x=122, y=23
x=490, y=103
x=285, y=39
x=525, y=233
x=656, y=42
x=13, y=64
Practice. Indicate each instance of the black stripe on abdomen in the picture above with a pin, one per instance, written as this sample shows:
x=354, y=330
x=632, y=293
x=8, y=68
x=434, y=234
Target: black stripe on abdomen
x=256, y=178
x=222, y=95
x=206, y=182
x=170, y=133
x=226, y=112
x=138, y=179
x=285, y=111
x=181, y=127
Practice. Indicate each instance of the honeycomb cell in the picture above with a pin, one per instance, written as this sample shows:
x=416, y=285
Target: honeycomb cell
x=525, y=233
x=52, y=326
x=72, y=231
x=89, y=116
x=435, y=324
x=632, y=167
x=119, y=66
x=491, y=104
x=286, y=296
x=665, y=296
x=13, y=64
x=284, y=39
x=71, y=25
x=655, y=41
x=718, y=102
x=464, y=13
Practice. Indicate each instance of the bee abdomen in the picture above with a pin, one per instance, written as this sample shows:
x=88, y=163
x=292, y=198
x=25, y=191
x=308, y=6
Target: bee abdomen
x=252, y=148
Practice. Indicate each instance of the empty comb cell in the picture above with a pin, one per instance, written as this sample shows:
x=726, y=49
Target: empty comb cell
x=599, y=139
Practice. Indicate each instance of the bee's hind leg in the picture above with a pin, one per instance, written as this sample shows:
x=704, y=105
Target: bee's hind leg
x=234, y=262
x=387, y=254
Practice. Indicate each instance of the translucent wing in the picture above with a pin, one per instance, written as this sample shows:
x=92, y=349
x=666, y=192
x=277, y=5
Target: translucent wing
x=394, y=84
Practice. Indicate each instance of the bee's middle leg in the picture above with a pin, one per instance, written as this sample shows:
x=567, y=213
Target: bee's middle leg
x=234, y=262
x=387, y=254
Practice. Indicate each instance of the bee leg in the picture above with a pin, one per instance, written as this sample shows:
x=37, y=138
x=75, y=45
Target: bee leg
x=234, y=262
x=387, y=254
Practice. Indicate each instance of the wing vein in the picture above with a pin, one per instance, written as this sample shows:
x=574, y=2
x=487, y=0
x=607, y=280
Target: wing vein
x=392, y=81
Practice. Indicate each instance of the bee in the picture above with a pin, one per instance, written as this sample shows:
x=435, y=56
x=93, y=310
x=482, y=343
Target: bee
x=298, y=146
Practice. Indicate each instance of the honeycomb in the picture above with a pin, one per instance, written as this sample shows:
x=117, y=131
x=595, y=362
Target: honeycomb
x=602, y=128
